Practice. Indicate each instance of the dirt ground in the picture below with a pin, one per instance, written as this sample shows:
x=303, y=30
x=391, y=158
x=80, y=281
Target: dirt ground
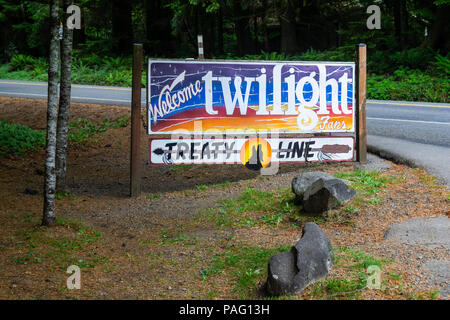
x=156, y=246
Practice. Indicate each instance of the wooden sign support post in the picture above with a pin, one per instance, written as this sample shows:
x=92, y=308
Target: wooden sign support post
x=360, y=95
x=135, y=163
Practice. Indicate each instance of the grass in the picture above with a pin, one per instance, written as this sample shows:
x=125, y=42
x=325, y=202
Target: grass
x=368, y=184
x=62, y=195
x=245, y=265
x=253, y=207
x=180, y=168
x=256, y=208
x=167, y=239
x=64, y=246
x=83, y=131
x=354, y=265
x=18, y=139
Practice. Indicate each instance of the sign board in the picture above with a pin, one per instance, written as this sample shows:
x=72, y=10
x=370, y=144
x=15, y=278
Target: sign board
x=236, y=96
x=251, y=151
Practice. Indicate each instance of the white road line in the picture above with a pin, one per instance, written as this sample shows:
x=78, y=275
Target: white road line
x=403, y=120
x=73, y=97
x=98, y=99
x=408, y=104
x=23, y=94
x=73, y=85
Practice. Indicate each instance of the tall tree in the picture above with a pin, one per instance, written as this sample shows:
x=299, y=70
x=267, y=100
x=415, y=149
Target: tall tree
x=49, y=216
x=288, y=26
x=401, y=22
x=438, y=36
x=241, y=15
x=64, y=101
x=122, y=27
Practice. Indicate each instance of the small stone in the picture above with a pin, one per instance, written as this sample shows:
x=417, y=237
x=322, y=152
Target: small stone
x=30, y=191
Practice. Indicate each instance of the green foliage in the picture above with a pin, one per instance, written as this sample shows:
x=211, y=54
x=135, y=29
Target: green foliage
x=325, y=31
x=19, y=139
x=24, y=62
x=82, y=131
x=369, y=186
x=409, y=85
x=89, y=69
x=367, y=182
x=355, y=264
x=61, y=249
x=27, y=259
x=271, y=208
x=442, y=63
x=246, y=264
x=255, y=207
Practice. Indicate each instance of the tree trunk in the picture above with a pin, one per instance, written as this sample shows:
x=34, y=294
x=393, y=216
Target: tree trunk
x=242, y=29
x=220, y=30
x=403, y=25
x=159, y=31
x=264, y=26
x=122, y=28
x=255, y=30
x=64, y=103
x=400, y=22
x=437, y=39
x=288, y=29
x=49, y=216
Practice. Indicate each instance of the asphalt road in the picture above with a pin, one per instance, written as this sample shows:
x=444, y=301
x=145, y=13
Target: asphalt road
x=416, y=133
x=80, y=93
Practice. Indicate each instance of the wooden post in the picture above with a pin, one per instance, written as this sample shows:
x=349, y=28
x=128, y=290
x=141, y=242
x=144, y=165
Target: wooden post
x=360, y=87
x=135, y=163
x=201, y=54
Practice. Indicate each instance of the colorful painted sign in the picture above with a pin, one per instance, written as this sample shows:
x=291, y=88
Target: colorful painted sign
x=251, y=152
x=215, y=97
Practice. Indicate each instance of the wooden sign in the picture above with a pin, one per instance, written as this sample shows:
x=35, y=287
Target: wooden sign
x=251, y=151
x=211, y=97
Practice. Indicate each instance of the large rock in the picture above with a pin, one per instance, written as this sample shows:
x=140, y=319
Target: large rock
x=308, y=261
x=318, y=191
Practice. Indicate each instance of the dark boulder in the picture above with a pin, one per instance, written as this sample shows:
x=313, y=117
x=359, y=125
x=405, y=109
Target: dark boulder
x=308, y=261
x=319, y=192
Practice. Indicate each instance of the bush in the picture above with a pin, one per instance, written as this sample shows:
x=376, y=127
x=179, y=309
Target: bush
x=409, y=85
x=28, y=63
x=442, y=64
x=18, y=139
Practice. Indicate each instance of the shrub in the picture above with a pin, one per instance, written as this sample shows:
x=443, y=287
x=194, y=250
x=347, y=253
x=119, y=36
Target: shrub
x=18, y=139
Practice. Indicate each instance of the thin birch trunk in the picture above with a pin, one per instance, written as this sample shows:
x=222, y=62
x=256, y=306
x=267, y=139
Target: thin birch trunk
x=64, y=103
x=49, y=216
